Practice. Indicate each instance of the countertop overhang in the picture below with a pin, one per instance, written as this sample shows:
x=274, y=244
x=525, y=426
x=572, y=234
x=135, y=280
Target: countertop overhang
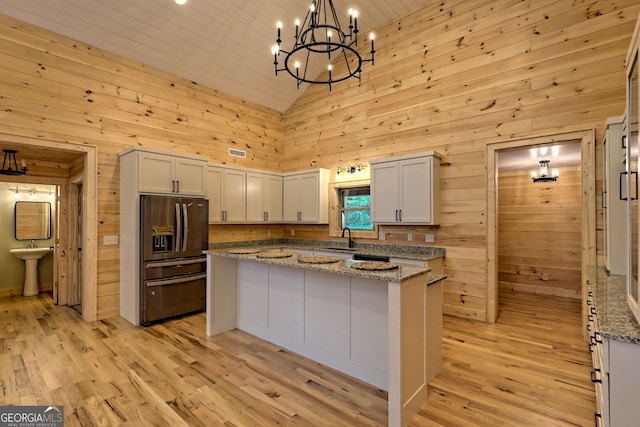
x=342, y=266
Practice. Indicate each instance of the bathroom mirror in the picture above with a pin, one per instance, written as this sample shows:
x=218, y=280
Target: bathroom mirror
x=33, y=220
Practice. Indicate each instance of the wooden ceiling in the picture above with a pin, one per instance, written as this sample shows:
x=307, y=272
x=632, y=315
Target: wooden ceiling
x=224, y=45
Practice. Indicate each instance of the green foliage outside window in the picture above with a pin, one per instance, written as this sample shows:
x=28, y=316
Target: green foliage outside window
x=355, y=208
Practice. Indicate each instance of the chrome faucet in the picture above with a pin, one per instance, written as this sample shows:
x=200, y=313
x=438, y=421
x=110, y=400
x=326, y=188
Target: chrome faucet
x=349, y=230
x=32, y=245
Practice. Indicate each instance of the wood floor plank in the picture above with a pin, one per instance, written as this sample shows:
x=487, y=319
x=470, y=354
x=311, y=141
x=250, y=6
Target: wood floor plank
x=531, y=368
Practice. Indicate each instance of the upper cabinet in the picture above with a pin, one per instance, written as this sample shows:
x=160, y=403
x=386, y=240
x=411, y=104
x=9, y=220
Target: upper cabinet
x=631, y=194
x=406, y=189
x=158, y=172
x=226, y=194
x=264, y=197
x=306, y=196
x=614, y=207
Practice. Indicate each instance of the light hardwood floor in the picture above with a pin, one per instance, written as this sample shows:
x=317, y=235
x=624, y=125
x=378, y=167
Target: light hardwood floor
x=529, y=369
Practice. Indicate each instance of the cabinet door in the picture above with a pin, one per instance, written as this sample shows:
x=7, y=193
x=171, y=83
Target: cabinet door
x=156, y=173
x=272, y=197
x=253, y=298
x=310, y=197
x=415, y=190
x=256, y=197
x=214, y=194
x=234, y=195
x=385, y=199
x=291, y=198
x=191, y=177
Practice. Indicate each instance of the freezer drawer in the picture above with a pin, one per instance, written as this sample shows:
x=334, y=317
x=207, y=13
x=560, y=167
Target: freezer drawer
x=177, y=267
x=164, y=298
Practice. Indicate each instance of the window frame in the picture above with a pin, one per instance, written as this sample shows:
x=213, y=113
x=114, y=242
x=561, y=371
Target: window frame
x=335, y=222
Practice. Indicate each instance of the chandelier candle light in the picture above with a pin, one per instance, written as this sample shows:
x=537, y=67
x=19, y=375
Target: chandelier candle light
x=10, y=165
x=322, y=37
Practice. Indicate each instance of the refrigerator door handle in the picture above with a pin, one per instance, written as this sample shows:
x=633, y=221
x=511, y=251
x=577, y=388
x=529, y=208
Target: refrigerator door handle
x=177, y=263
x=176, y=280
x=178, y=228
x=185, y=216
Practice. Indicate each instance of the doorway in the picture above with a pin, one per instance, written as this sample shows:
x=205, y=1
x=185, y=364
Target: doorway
x=82, y=161
x=586, y=140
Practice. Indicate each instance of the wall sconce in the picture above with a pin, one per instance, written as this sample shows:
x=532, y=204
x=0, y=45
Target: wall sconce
x=546, y=174
x=349, y=170
x=10, y=165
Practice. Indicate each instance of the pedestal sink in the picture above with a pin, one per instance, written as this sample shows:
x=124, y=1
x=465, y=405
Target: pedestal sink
x=30, y=257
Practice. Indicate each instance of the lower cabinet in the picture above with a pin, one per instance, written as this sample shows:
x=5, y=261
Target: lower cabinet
x=615, y=375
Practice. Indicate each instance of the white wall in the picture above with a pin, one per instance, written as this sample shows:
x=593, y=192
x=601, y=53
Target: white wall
x=12, y=278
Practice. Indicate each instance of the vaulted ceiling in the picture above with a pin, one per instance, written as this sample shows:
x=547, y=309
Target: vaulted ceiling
x=224, y=45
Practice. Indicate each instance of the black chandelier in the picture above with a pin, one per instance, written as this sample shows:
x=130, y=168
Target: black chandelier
x=10, y=165
x=546, y=174
x=321, y=36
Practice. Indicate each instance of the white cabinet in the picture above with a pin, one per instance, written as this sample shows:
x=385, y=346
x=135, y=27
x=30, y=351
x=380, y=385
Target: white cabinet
x=614, y=209
x=264, y=197
x=406, y=189
x=167, y=173
x=226, y=191
x=615, y=375
x=306, y=196
x=145, y=171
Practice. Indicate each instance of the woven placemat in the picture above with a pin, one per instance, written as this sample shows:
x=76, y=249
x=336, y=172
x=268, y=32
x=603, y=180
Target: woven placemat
x=243, y=251
x=274, y=254
x=374, y=265
x=311, y=259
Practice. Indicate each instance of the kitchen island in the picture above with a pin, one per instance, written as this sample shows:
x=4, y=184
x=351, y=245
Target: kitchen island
x=382, y=327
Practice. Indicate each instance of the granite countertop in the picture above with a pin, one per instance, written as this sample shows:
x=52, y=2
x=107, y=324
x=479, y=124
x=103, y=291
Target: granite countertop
x=342, y=266
x=615, y=319
x=423, y=253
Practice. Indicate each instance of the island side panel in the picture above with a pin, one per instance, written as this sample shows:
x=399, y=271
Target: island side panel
x=222, y=294
x=407, y=305
x=286, y=306
x=253, y=297
x=327, y=314
x=369, y=317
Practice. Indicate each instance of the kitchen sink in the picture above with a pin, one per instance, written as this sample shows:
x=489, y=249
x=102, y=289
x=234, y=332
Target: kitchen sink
x=369, y=257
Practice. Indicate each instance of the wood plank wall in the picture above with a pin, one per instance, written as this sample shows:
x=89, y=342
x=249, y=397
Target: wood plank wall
x=539, y=228
x=64, y=91
x=452, y=77
x=458, y=75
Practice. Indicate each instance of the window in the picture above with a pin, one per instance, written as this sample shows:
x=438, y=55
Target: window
x=355, y=208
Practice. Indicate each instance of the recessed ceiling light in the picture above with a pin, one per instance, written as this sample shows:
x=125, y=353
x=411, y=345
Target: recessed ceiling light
x=180, y=2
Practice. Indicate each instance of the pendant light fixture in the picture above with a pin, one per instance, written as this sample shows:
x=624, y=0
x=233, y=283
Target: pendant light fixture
x=320, y=42
x=545, y=174
x=10, y=164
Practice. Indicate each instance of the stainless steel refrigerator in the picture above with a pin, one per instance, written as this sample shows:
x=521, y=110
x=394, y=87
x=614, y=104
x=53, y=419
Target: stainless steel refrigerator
x=174, y=232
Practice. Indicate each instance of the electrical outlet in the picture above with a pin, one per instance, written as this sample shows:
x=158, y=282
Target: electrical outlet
x=429, y=238
x=409, y=237
x=110, y=240
x=545, y=276
x=382, y=235
x=293, y=231
x=268, y=232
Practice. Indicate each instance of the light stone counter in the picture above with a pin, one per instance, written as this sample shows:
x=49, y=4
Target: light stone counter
x=614, y=316
x=342, y=267
x=415, y=252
